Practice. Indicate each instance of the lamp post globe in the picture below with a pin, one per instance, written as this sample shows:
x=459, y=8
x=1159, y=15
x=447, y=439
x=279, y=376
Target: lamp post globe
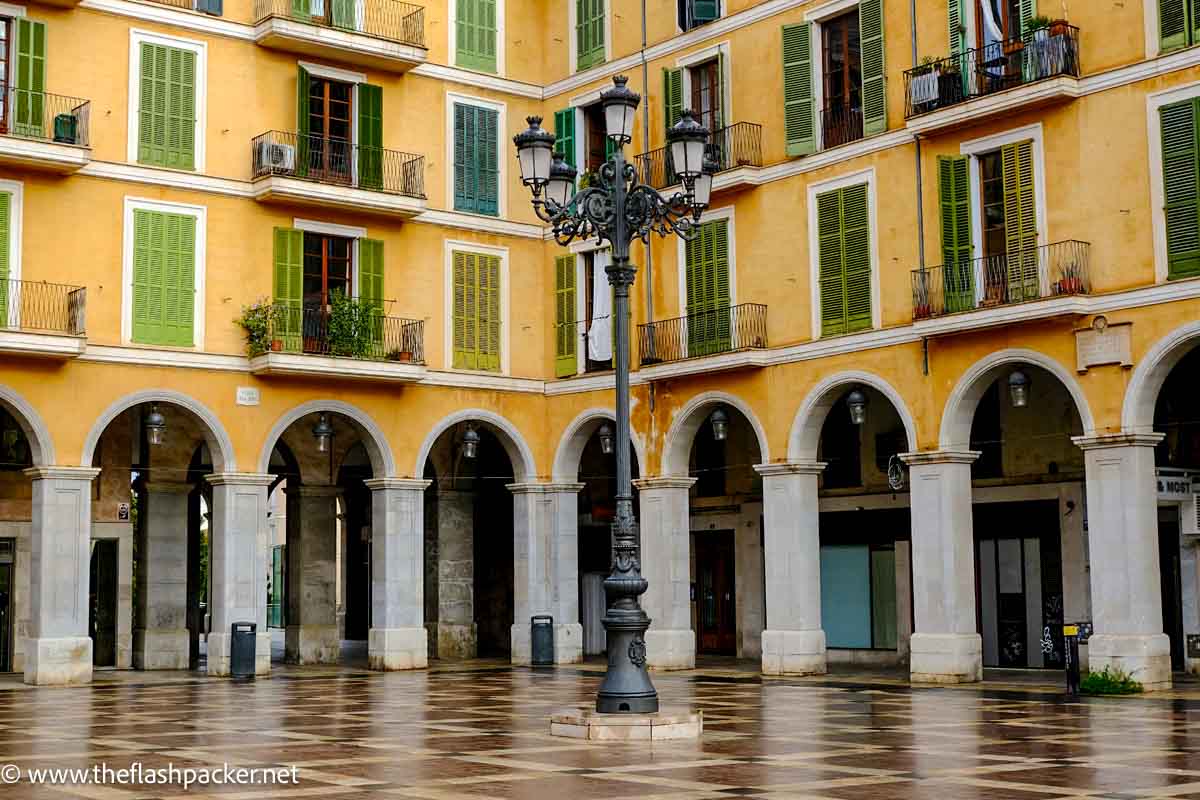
x=619, y=104
x=561, y=186
x=535, y=148
x=687, y=139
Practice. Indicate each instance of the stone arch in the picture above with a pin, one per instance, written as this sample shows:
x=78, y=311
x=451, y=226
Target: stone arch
x=576, y=436
x=524, y=468
x=1137, y=409
x=677, y=446
x=805, y=436
x=955, y=432
x=219, y=444
x=41, y=446
x=376, y=443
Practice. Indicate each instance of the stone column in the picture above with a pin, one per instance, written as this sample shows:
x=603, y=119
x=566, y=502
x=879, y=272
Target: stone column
x=312, y=630
x=546, y=567
x=456, y=631
x=161, y=641
x=237, y=559
x=666, y=545
x=945, y=647
x=793, y=642
x=1122, y=505
x=58, y=649
x=397, y=639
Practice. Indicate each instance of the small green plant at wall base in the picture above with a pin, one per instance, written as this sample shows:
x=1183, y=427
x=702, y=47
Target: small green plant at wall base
x=256, y=322
x=1109, y=681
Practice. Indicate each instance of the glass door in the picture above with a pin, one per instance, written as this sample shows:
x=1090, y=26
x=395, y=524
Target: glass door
x=330, y=130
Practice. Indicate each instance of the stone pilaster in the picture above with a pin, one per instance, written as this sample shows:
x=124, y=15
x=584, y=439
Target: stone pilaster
x=58, y=649
x=162, y=641
x=945, y=647
x=312, y=631
x=397, y=639
x=1122, y=506
x=793, y=642
x=666, y=544
x=457, y=636
x=238, y=547
x=546, y=567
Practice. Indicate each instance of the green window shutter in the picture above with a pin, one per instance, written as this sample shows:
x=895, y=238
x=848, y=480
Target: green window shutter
x=799, y=106
x=342, y=14
x=704, y=11
x=303, y=109
x=566, y=337
x=1181, y=186
x=874, y=76
x=370, y=284
x=956, y=27
x=164, y=275
x=167, y=107
x=29, y=78
x=370, y=136
x=954, y=190
x=1020, y=221
x=475, y=34
x=844, y=260
x=672, y=96
x=488, y=304
x=463, y=320
x=476, y=159
x=5, y=259
x=829, y=273
x=288, y=286
x=707, y=278
x=465, y=175
x=487, y=156
x=564, y=134
x=1173, y=24
x=589, y=33
x=301, y=9
x=1028, y=12
x=476, y=314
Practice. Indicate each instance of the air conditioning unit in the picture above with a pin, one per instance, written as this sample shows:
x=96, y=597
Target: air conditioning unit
x=275, y=157
x=1190, y=522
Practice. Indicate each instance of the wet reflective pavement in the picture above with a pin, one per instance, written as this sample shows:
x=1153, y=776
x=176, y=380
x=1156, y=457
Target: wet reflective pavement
x=482, y=731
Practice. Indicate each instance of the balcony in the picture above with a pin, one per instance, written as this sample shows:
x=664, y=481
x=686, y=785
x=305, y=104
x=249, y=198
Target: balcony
x=334, y=173
x=736, y=148
x=360, y=343
x=379, y=34
x=43, y=131
x=45, y=320
x=995, y=286
x=1040, y=68
x=581, y=333
x=708, y=341
x=840, y=124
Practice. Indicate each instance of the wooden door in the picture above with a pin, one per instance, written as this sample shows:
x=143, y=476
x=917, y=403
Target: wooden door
x=716, y=619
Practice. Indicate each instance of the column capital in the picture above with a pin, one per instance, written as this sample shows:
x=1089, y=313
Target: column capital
x=790, y=468
x=240, y=479
x=62, y=473
x=1105, y=441
x=664, y=482
x=411, y=484
x=550, y=487
x=923, y=457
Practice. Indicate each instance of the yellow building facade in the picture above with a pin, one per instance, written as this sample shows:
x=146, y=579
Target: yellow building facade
x=286, y=343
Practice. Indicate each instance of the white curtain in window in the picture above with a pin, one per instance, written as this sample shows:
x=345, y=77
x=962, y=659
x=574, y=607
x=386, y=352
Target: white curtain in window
x=600, y=334
x=992, y=32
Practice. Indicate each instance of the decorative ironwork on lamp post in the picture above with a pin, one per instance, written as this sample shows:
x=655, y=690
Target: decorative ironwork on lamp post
x=618, y=208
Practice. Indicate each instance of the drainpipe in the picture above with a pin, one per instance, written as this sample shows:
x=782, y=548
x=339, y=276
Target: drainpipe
x=646, y=149
x=912, y=9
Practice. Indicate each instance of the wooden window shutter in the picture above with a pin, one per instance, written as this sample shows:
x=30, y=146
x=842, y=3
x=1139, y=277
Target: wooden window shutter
x=1173, y=24
x=1020, y=221
x=164, y=271
x=844, y=260
x=370, y=285
x=167, y=107
x=564, y=134
x=672, y=97
x=463, y=322
x=954, y=191
x=370, y=136
x=5, y=257
x=302, y=10
x=303, y=121
x=487, y=158
x=181, y=278
x=829, y=273
x=589, y=33
x=465, y=174
x=704, y=11
x=475, y=35
x=1181, y=186
x=799, y=106
x=707, y=279
x=29, y=78
x=288, y=286
x=1028, y=10
x=476, y=159
x=489, y=312
x=956, y=27
x=566, y=333
x=874, y=75
x=341, y=14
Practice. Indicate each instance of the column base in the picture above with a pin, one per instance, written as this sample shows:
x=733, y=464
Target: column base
x=1146, y=658
x=670, y=649
x=946, y=658
x=312, y=644
x=391, y=649
x=568, y=643
x=457, y=641
x=218, y=654
x=58, y=662
x=793, y=652
x=161, y=648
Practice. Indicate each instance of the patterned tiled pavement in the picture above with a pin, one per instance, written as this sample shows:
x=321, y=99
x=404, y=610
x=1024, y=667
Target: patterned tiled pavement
x=482, y=732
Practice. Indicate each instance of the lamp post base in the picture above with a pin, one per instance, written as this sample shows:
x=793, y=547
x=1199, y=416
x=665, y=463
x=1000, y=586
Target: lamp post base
x=626, y=688
x=670, y=723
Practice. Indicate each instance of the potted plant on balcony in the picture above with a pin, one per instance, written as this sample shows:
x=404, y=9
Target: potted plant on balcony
x=348, y=328
x=401, y=355
x=1071, y=281
x=256, y=323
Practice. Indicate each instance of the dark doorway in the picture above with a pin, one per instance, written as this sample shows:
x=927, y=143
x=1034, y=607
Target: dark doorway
x=7, y=552
x=356, y=566
x=715, y=598
x=492, y=543
x=1169, y=572
x=102, y=603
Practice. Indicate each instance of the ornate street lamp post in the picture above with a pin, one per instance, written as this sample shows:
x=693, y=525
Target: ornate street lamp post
x=618, y=208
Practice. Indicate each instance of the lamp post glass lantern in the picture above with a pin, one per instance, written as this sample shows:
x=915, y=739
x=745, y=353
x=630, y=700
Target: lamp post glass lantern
x=617, y=208
x=155, y=425
x=1018, y=389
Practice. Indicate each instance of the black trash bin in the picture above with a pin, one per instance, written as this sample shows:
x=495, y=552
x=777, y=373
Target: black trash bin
x=241, y=650
x=542, y=640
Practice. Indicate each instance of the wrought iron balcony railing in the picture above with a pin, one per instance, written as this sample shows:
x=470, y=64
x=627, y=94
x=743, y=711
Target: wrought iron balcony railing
x=841, y=124
x=1050, y=270
x=706, y=333
x=1045, y=53
x=384, y=19
x=40, y=307
x=44, y=116
x=736, y=145
x=369, y=334
x=339, y=162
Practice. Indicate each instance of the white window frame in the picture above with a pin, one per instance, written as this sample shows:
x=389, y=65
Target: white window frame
x=501, y=108
x=685, y=64
x=16, y=208
x=974, y=148
x=1158, y=198
x=816, y=17
x=351, y=232
x=866, y=176
x=137, y=38
x=449, y=247
x=582, y=250
x=1151, y=23
x=198, y=305
x=573, y=42
x=452, y=37
x=14, y=12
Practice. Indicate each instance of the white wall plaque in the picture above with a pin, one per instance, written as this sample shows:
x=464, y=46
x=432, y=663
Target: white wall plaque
x=247, y=396
x=1103, y=344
